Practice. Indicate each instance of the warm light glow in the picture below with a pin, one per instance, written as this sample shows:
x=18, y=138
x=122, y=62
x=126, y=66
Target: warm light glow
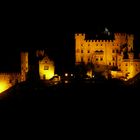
x=132, y=72
x=46, y=69
x=49, y=74
x=66, y=74
x=3, y=86
x=71, y=74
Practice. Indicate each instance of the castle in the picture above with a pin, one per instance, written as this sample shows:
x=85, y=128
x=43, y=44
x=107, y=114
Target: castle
x=46, y=71
x=114, y=56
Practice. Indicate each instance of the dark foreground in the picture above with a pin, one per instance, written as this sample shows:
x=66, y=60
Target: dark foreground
x=42, y=90
x=41, y=97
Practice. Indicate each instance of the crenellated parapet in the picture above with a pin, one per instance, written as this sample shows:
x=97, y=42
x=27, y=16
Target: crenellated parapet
x=6, y=74
x=99, y=41
x=80, y=35
x=123, y=36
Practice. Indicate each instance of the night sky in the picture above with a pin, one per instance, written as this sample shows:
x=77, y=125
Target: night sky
x=53, y=26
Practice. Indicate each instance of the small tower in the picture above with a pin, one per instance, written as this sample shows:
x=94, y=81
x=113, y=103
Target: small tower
x=131, y=55
x=24, y=65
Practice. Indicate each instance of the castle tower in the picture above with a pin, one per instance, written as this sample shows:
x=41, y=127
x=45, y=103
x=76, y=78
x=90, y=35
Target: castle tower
x=130, y=42
x=79, y=45
x=24, y=65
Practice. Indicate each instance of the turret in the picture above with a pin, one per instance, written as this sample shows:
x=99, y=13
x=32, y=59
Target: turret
x=131, y=55
x=24, y=65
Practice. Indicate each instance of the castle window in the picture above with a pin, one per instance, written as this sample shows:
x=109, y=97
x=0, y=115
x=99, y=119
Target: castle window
x=96, y=59
x=88, y=51
x=46, y=67
x=113, y=51
x=81, y=59
x=117, y=51
x=82, y=51
x=101, y=44
x=81, y=44
x=113, y=58
x=109, y=63
x=126, y=64
x=44, y=76
x=88, y=59
x=77, y=50
x=101, y=58
x=113, y=63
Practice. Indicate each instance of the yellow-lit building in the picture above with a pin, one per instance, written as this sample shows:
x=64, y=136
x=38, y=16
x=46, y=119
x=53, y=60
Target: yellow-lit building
x=46, y=68
x=116, y=53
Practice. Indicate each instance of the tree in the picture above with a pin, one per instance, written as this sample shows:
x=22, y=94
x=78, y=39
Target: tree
x=34, y=57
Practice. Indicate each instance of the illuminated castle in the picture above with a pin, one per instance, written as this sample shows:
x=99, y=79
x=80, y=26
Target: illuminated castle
x=46, y=71
x=115, y=55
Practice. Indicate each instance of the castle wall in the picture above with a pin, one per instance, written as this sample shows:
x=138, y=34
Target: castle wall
x=96, y=51
x=8, y=80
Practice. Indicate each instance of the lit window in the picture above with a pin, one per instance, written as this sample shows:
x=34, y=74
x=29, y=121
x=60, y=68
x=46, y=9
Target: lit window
x=46, y=67
x=77, y=50
x=96, y=59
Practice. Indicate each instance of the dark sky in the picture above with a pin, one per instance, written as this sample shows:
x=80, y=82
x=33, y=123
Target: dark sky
x=53, y=26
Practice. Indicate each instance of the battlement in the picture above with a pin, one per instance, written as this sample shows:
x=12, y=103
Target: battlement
x=123, y=35
x=80, y=34
x=99, y=41
x=120, y=34
x=9, y=73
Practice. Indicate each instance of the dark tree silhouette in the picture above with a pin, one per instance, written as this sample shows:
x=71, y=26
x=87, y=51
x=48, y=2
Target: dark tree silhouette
x=34, y=57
